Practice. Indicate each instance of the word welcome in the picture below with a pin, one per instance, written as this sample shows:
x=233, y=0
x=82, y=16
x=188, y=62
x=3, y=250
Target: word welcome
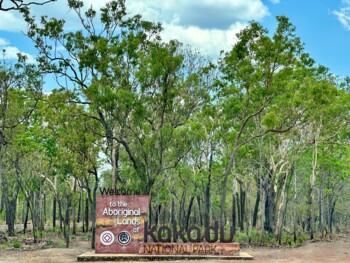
x=118, y=191
x=165, y=234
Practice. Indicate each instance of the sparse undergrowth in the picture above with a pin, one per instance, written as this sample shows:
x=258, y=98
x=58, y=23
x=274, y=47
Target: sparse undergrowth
x=50, y=238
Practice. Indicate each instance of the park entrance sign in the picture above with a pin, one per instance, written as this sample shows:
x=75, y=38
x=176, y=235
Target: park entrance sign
x=123, y=231
x=120, y=222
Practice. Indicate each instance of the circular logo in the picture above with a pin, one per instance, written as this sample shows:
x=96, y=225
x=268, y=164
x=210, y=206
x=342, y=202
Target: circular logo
x=124, y=238
x=107, y=238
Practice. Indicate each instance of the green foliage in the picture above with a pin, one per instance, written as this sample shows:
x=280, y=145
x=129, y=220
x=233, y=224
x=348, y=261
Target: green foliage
x=241, y=237
x=49, y=241
x=16, y=244
x=60, y=244
x=159, y=117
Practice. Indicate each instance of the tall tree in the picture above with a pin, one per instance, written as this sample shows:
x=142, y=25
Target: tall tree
x=20, y=91
x=261, y=79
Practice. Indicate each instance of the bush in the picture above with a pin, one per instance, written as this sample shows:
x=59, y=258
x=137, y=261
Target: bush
x=16, y=244
x=241, y=237
x=49, y=241
x=60, y=244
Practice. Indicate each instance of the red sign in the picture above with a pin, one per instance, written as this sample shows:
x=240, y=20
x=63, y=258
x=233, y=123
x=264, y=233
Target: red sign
x=120, y=223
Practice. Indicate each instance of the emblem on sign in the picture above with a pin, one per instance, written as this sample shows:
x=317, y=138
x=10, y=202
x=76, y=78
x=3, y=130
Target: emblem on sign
x=124, y=238
x=107, y=238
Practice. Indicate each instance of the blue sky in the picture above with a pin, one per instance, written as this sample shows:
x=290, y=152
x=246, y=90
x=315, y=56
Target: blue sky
x=211, y=25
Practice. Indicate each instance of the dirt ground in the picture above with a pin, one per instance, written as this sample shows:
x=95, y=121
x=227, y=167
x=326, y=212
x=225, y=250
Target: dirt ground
x=312, y=252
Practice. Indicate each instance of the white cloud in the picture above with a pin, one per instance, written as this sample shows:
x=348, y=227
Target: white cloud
x=219, y=14
x=12, y=51
x=11, y=21
x=343, y=14
x=3, y=42
x=209, y=41
x=275, y=1
x=209, y=25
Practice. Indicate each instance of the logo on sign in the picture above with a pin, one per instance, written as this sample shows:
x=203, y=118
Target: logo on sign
x=107, y=238
x=124, y=238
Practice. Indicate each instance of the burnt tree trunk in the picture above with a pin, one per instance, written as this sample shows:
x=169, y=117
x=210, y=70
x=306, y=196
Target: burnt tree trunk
x=25, y=223
x=256, y=207
x=54, y=202
x=87, y=214
x=156, y=217
x=200, y=210
x=172, y=216
x=234, y=213
x=188, y=213
x=11, y=207
x=79, y=208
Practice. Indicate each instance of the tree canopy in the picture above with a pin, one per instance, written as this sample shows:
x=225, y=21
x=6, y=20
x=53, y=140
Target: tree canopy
x=235, y=140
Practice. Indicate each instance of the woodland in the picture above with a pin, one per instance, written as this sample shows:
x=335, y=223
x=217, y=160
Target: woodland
x=258, y=138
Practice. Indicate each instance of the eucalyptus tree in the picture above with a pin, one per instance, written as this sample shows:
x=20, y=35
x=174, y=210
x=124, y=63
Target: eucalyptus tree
x=326, y=127
x=100, y=57
x=141, y=90
x=73, y=149
x=262, y=85
x=20, y=91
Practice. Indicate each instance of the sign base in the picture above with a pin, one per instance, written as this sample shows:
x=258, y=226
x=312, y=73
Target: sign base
x=92, y=256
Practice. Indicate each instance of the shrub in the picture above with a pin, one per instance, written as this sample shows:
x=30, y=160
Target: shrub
x=241, y=237
x=16, y=244
x=60, y=244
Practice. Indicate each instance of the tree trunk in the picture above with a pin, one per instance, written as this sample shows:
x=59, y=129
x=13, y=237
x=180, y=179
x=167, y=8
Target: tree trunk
x=83, y=211
x=242, y=207
x=262, y=210
x=60, y=216
x=35, y=214
x=312, y=183
x=207, y=189
x=234, y=211
x=79, y=207
x=87, y=214
x=321, y=225
x=199, y=210
x=238, y=210
x=256, y=208
x=114, y=160
x=172, y=216
x=188, y=214
x=156, y=217
x=11, y=206
x=66, y=224
x=73, y=208
x=41, y=210
x=182, y=214
x=270, y=207
x=44, y=216
x=25, y=223
x=93, y=207
x=54, y=212
x=74, y=230
x=278, y=230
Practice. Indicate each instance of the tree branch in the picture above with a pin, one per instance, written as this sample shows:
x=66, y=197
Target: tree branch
x=18, y=4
